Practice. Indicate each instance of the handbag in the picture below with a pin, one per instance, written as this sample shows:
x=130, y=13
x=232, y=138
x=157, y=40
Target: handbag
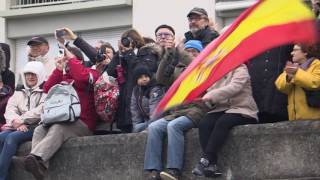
x=313, y=98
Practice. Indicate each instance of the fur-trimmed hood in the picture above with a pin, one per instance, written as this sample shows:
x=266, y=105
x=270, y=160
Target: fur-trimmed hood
x=151, y=48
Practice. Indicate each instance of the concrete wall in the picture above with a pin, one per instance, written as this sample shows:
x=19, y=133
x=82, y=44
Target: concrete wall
x=288, y=150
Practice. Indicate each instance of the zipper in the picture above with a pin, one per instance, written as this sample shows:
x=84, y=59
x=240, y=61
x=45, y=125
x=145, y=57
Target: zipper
x=294, y=103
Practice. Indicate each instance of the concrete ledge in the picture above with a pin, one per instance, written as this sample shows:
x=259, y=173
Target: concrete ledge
x=289, y=150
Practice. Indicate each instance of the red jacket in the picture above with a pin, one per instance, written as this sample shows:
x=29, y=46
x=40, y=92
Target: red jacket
x=80, y=75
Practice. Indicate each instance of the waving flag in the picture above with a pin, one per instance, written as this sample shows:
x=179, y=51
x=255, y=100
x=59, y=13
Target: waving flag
x=267, y=24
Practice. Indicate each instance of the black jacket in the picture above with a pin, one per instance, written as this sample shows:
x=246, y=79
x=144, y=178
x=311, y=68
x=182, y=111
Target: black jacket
x=264, y=70
x=127, y=61
x=204, y=35
x=87, y=49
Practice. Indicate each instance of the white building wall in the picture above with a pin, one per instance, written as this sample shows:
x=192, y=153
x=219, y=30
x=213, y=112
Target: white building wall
x=149, y=14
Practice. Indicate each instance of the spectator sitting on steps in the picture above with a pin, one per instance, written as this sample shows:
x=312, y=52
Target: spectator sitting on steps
x=48, y=140
x=22, y=114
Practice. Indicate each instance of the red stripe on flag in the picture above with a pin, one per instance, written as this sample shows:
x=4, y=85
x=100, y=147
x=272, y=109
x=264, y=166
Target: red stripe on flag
x=214, y=44
x=258, y=42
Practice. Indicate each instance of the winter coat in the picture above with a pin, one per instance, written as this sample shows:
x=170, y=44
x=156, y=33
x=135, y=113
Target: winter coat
x=149, y=56
x=297, y=104
x=264, y=69
x=233, y=94
x=127, y=61
x=205, y=36
x=80, y=75
x=26, y=104
x=172, y=64
x=87, y=49
x=144, y=101
x=5, y=93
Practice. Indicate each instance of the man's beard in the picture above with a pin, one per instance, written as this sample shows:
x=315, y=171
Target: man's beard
x=194, y=30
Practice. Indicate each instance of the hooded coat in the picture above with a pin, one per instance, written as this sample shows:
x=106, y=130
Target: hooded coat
x=26, y=104
x=8, y=77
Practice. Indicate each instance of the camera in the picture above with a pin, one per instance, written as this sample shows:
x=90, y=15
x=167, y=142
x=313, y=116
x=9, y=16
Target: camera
x=60, y=33
x=100, y=56
x=126, y=41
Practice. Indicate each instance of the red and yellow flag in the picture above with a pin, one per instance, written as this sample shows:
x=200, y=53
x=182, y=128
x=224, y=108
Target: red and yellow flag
x=267, y=24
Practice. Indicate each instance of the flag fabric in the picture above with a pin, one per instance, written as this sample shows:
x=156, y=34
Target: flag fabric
x=266, y=24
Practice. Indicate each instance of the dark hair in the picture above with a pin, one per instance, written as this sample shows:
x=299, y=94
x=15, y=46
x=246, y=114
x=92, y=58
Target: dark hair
x=311, y=50
x=107, y=45
x=165, y=26
x=137, y=39
x=77, y=52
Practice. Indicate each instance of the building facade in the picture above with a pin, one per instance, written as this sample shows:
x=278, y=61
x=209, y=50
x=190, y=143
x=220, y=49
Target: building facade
x=100, y=19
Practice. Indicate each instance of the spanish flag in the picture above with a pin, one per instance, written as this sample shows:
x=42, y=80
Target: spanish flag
x=266, y=24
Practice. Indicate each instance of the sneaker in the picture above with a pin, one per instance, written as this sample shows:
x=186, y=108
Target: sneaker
x=198, y=170
x=170, y=174
x=153, y=175
x=212, y=171
x=35, y=167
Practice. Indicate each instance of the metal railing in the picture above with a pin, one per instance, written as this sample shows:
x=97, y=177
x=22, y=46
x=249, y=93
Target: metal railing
x=19, y=4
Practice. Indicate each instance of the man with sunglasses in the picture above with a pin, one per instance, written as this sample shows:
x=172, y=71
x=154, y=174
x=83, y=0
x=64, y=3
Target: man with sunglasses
x=199, y=28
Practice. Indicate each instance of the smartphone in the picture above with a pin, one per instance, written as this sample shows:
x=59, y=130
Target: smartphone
x=61, y=52
x=60, y=33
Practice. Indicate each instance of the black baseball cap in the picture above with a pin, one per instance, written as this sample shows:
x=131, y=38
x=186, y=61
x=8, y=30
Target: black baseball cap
x=37, y=40
x=198, y=11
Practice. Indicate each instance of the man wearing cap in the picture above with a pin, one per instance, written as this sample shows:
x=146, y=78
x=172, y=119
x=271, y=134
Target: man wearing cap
x=39, y=48
x=199, y=27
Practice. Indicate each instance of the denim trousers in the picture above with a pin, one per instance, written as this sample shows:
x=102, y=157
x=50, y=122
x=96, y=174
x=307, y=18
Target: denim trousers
x=139, y=127
x=9, y=142
x=174, y=130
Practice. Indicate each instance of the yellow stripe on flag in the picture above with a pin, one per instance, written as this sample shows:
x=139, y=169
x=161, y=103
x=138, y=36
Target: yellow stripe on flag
x=267, y=14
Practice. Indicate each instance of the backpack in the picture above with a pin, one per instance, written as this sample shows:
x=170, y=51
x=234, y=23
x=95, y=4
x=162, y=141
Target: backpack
x=106, y=92
x=61, y=105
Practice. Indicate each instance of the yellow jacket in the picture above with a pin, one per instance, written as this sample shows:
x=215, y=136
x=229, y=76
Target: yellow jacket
x=297, y=104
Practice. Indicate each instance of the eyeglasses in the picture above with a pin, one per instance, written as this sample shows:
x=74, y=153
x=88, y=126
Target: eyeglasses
x=195, y=18
x=164, y=35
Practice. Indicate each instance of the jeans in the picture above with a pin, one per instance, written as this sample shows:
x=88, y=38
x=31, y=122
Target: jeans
x=9, y=141
x=175, y=132
x=139, y=127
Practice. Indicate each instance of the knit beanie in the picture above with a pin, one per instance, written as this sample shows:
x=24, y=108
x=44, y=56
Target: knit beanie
x=195, y=44
x=139, y=71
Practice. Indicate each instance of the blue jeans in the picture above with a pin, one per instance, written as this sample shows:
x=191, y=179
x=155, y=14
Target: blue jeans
x=9, y=141
x=139, y=127
x=175, y=131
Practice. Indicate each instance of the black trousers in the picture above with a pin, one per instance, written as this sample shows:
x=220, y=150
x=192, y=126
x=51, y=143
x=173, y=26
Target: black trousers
x=214, y=129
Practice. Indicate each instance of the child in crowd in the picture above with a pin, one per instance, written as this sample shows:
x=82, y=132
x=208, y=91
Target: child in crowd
x=145, y=97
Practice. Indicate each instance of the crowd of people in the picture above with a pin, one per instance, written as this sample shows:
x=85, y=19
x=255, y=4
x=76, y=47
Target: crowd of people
x=273, y=86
